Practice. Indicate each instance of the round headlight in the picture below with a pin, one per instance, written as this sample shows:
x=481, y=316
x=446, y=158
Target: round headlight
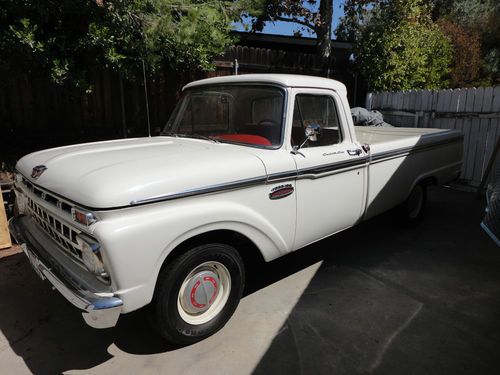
x=91, y=255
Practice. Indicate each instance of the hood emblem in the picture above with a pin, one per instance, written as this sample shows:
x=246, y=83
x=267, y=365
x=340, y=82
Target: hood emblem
x=37, y=171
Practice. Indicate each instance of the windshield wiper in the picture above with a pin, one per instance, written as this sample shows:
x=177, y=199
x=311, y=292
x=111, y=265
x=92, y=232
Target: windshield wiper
x=194, y=135
x=169, y=134
x=199, y=136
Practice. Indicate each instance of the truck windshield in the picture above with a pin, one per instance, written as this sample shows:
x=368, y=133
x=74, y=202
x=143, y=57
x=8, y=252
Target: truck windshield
x=243, y=114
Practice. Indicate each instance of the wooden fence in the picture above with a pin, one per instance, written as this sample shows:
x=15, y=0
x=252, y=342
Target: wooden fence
x=36, y=114
x=474, y=111
x=263, y=60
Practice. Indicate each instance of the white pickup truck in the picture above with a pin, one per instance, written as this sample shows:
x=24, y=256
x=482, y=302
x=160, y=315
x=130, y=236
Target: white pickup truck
x=251, y=165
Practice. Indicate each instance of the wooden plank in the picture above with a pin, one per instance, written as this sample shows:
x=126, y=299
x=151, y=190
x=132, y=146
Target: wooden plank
x=442, y=98
x=387, y=99
x=410, y=105
x=426, y=98
x=469, y=105
x=406, y=101
x=440, y=107
x=432, y=107
x=448, y=123
x=459, y=123
x=482, y=156
x=382, y=100
x=454, y=103
x=419, y=96
x=4, y=229
x=474, y=138
x=482, y=133
x=371, y=97
x=496, y=99
x=479, y=126
x=494, y=130
x=399, y=97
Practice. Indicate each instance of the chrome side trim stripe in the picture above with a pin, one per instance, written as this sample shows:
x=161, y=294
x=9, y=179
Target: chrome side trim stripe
x=316, y=172
x=305, y=173
x=275, y=177
x=204, y=190
x=333, y=166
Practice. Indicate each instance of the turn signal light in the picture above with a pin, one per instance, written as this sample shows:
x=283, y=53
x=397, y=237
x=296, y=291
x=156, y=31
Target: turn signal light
x=83, y=217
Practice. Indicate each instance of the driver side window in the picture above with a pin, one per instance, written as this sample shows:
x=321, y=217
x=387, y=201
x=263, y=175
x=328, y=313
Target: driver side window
x=315, y=109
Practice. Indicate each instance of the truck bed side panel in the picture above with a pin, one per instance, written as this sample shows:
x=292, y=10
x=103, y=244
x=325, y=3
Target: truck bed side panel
x=398, y=164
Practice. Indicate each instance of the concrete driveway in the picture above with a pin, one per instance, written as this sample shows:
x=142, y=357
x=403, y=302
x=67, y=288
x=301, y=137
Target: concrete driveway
x=377, y=298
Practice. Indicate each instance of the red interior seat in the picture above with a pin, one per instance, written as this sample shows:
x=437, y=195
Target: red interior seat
x=246, y=138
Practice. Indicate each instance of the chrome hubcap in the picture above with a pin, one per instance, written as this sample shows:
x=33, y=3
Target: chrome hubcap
x=200, y=292
x=204, y=293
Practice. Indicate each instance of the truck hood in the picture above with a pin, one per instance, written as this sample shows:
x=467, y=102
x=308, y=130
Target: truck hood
x=115, y=173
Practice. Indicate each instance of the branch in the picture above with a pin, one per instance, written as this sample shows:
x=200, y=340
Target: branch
x=295, y=20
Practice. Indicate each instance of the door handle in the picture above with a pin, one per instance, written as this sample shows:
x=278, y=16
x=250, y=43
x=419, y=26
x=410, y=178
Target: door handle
x=356, y=152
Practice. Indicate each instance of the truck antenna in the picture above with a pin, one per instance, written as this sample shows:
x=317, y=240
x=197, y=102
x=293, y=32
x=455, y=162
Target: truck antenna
x=146, y=96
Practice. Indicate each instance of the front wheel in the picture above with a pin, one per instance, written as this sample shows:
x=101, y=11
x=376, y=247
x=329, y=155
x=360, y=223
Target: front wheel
x=197, y=293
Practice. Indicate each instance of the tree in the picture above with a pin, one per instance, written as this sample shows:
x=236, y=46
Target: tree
x=477, y=20
x=466, y=63
x=69, y=38
x=481, y=17
x=357, y=14
x=312, y=15
x=398, y=47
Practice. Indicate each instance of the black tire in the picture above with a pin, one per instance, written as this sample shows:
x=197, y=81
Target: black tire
x=413, y=208
x=167, y=317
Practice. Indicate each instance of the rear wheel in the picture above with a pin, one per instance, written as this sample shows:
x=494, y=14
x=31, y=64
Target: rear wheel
x=197, y=293
x=412, y=209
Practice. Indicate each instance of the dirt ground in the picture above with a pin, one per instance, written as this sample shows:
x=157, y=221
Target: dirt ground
x=378, y=298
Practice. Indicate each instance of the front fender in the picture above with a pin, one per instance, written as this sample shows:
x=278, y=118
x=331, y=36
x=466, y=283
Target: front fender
x=137, y=241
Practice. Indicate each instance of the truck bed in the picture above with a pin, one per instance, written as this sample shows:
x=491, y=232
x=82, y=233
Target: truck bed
x=397, y=161
x=383, y=140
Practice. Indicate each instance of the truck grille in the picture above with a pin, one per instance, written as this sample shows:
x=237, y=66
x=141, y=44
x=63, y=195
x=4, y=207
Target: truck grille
x=56, y=229
x=42, y=194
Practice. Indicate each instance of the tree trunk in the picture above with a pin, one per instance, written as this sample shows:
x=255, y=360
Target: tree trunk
x=324, y=30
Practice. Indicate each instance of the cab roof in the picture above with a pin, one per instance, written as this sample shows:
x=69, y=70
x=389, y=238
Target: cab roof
x=287, y=80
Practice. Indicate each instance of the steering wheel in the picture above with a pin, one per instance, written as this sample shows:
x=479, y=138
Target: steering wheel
x=267, y=122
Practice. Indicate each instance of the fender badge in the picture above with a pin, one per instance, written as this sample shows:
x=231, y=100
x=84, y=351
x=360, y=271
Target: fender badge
x=37, y=171
x=281, y=191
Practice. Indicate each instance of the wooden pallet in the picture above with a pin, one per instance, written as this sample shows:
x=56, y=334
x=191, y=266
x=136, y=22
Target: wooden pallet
x=4, y=229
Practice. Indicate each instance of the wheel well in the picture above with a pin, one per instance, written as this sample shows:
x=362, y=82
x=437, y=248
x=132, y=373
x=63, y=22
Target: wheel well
x=247, y=249
x=432, y=180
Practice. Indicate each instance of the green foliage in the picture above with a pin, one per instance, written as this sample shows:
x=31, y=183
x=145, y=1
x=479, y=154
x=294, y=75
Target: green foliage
x=70, y=38
x=482, y=16
x=399, y=47
x=310, y=16
x=475, y=17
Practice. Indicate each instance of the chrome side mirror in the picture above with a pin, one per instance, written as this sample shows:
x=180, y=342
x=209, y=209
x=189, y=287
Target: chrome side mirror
x=312, y=132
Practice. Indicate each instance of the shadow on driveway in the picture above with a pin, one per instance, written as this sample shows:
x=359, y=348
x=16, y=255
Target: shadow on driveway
x=389, y=300
x=386, y=299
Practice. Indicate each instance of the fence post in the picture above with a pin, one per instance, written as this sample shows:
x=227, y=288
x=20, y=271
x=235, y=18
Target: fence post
x=368, y=101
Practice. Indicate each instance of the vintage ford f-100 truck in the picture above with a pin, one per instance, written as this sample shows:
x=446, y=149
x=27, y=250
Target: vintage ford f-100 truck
x=250, y=165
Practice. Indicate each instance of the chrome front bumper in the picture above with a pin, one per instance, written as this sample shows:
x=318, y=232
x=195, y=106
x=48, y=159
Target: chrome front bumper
x=100, y=308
